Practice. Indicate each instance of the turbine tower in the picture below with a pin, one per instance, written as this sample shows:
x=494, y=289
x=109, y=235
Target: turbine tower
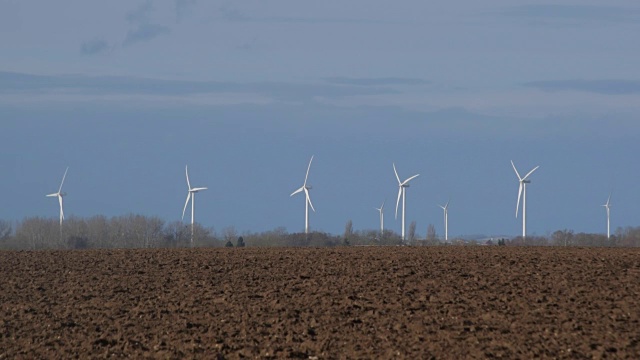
x=381, y=211
x=445, y=209
x=59, y=195
x=402, y=185
x=307, y=202
x=191, y=195
x=522, y=191
x=607, y=206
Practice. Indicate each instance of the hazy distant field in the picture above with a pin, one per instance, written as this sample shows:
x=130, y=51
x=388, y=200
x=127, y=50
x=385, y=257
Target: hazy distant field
x=359, y=302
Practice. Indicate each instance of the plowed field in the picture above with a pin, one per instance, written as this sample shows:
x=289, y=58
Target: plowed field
x=359, y=302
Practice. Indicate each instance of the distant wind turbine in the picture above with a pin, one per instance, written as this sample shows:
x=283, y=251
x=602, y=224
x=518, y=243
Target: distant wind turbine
x=191, y=195
x=402, y=185
x=307, y=202
x=607, y=206
x=60, y=195
x=381, y=211
x=445, y=208
x=522, y=191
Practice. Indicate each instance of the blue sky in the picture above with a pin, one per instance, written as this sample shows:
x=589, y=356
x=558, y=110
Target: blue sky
x=128, y=92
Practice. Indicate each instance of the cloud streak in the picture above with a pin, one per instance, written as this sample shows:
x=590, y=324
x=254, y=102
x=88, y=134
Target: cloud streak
x=231, y=14
x=94, y=47
x=582, y=13
x=142, y=30
x=145, y=32
x=20, y=83
x=383, y=81
x=141, y=13
x=607, y=87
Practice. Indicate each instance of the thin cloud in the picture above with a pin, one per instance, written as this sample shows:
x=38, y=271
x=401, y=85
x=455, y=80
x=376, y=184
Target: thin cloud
x=182, y=6
x=582, y=13
x=12, y=83
x=145, y=32
x=384, y=81
x=141, y=13
x=608, y=87
x=94, y=47
x=141, y=29
x=231, y=14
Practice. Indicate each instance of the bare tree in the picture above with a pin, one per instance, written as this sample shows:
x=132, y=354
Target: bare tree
x=37, y=233
x=177, y=234
x=5, y=230
x=229, y=233
x=562, y=238
x=348, y=231
x=98, y=232
x=432, y=236
x=412, y=232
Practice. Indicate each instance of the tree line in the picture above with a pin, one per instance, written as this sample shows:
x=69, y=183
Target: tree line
x=138, y=231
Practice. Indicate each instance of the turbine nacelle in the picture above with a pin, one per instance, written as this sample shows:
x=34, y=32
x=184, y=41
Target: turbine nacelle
x=190, y=196
x=60, y=194
x=308, y=202
x=402, y=185
x=523, y=182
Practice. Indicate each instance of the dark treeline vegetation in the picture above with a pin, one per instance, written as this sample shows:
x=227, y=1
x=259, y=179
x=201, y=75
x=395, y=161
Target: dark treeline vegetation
x=137, y=231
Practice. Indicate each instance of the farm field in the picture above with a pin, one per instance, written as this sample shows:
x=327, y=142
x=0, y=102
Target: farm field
x=349, y=302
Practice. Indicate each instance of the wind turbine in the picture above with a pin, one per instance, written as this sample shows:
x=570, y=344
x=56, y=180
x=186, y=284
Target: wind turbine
x=381, y=211
x=607, y=206
x=307, y=202
x=522, y=191
x=59, y=195
x=402, y=185
x=191, y=194
x=445, y=208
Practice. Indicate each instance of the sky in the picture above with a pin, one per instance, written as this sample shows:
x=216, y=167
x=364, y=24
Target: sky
x=126, y=93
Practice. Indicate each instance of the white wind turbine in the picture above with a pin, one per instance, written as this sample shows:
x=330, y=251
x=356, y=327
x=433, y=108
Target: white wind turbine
x=607, y=206
x=381, y=211
x=522, y=191
x=402, y=185
x=191, y=195
x=307, y=202
x=445, y=208
x=59, y=195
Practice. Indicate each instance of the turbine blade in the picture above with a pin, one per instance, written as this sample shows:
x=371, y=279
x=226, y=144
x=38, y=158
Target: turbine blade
x=185, y=204
x=309, y=199
x=411, y=178
x=308, y=168
x=63, y=177
x=518, y=203
x=398, y=201
x=297, y=191
x=382, y=207
x=186, y=170
x=396, y=172
x=446, y=206
x=530, y=172
x=198, y=189
x=609, y=200
x=52, y=195
x=516, y=170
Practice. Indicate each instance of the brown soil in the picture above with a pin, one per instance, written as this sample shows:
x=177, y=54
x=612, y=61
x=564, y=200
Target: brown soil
x=360, y=302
